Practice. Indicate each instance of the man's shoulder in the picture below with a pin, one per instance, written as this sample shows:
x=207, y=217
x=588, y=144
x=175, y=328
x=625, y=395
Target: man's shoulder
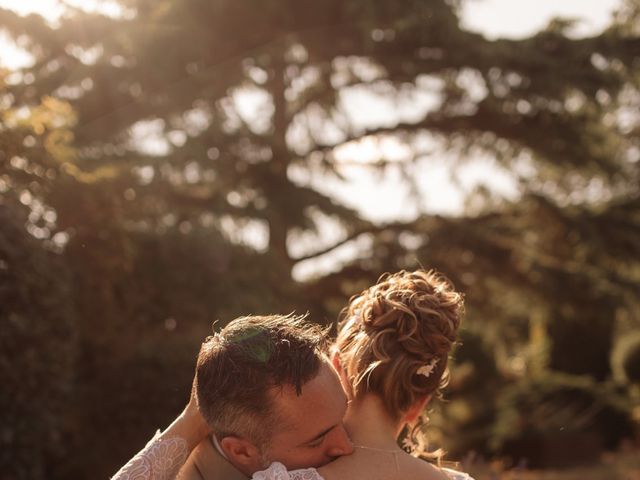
x=206, y=463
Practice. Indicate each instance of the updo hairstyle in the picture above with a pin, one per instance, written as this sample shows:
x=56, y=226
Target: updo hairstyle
x=393, y=333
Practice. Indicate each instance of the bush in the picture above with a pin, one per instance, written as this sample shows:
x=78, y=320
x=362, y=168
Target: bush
x=538, y=419
x=38, y=347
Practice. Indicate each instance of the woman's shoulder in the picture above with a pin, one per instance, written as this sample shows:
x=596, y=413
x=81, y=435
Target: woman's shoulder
x=428, y=471
x=278, y=471
x=366, y=465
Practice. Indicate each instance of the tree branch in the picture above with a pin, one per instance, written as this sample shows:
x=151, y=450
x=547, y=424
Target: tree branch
x=372, y=229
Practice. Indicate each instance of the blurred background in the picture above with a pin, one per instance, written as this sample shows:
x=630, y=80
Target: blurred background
x=168, y=163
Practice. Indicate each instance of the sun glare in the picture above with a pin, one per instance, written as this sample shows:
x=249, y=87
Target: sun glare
x=519, y=19
x=12, y=56
x=52, y=10
x=49, y=9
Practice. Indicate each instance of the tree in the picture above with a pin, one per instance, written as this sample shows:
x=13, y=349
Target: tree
x=39, y=348
x=248, y=105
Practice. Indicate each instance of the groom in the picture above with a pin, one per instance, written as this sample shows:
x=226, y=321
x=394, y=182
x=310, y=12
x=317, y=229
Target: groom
x=268, y=391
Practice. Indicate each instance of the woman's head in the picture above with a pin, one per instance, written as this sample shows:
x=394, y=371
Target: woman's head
x=394, y=338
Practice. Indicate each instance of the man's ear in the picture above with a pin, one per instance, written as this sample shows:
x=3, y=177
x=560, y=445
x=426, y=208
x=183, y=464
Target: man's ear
x=242, y=453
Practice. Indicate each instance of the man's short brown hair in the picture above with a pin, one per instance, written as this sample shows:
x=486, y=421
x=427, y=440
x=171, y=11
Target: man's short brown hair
x=239, y=368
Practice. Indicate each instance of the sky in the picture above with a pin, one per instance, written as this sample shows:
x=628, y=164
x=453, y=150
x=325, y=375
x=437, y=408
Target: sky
x=494, y=18
x=520, y=18
x=383, y=198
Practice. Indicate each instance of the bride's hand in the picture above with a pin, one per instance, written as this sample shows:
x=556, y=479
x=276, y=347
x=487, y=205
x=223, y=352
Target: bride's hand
x=192, y=416
x=165, y=454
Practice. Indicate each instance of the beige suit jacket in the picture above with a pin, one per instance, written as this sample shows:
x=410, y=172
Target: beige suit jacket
x=206, y=463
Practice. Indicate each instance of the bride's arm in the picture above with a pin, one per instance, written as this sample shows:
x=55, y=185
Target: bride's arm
x=167, y=451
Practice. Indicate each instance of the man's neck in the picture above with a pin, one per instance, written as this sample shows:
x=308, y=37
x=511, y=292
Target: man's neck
x=217, y=446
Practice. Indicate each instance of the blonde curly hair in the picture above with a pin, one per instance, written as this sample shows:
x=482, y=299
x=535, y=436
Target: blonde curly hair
x=395, y=337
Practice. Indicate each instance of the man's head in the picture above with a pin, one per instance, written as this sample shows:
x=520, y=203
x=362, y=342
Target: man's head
x=265, y=387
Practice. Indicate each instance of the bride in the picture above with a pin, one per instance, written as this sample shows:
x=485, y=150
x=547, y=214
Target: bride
x=391, y=352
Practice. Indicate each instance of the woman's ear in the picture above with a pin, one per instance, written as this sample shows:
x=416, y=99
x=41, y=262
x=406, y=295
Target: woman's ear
x=416, y=409
x=344, y=381
x=242, y=453
x=335, y=361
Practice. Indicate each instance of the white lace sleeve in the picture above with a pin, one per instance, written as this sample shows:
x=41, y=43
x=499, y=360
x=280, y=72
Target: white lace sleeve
x=455, y=475
x=277, y=471
x=159, y=460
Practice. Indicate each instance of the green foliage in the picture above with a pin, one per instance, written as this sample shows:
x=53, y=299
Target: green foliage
x=39, y=348
x=462, y=422
x=556, y=408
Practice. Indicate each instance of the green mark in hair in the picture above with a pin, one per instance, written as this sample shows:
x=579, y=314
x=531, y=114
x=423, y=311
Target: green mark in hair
x=258, y=345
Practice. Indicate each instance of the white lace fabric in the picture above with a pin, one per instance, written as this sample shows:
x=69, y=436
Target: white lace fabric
x=162, y=458
x=455, y=475
x=278, y=471
x=159, y=460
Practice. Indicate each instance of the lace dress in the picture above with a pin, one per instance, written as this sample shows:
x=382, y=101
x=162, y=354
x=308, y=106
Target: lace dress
x=278, y=471
x=455, y=475
x=162, y=458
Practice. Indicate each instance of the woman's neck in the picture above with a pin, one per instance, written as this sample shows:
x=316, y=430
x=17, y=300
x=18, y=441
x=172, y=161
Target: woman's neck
x=370, y=425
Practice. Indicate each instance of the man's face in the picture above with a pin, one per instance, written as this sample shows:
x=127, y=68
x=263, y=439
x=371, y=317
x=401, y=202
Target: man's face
x=311, y=433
